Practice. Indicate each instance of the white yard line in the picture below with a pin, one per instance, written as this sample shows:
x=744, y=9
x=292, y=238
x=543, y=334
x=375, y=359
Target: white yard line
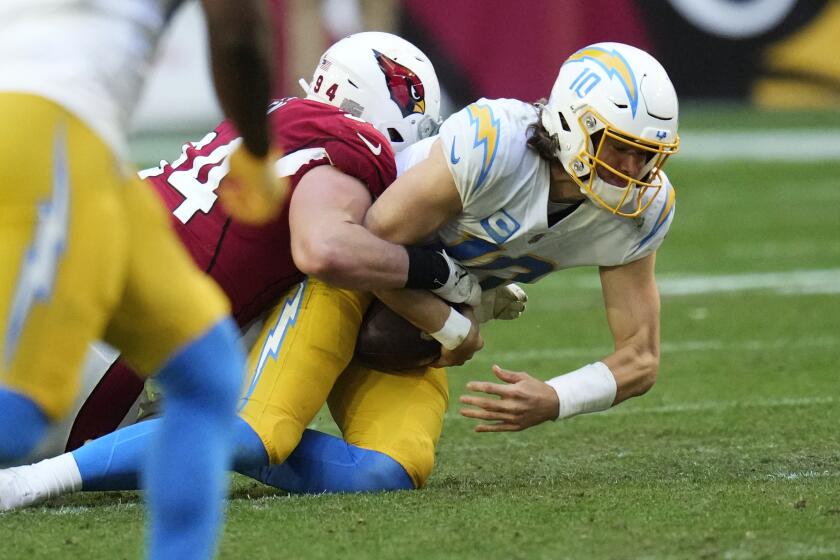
x=760, y=145
x=690, y=407
x=717, y=406
x=666, y=348
x=793, y=282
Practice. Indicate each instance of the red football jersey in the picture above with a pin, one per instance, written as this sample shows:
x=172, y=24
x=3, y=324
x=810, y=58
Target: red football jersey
x=254, y=265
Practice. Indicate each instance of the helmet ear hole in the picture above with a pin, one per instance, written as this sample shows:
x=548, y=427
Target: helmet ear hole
x=563, y=122
x=395, y=135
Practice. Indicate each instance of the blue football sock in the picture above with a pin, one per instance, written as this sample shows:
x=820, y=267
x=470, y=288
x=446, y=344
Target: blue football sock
x=191, y=451
x=22, y=425
x=325, y=463
x=114, y=461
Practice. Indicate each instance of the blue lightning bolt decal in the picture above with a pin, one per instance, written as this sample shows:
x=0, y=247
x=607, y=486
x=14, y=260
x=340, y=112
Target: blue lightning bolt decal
x=40, y=263
x=487, y=129
x=271, y=347
x=615, y=66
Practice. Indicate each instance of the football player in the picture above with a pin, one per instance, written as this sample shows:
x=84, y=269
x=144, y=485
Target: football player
x=337, y=163
x=87, y=254
x=522, y=191
x=517, y=191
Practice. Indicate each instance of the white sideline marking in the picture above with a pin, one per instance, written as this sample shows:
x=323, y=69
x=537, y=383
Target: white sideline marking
x=794, y=282
x=795, y=550
x=761, y=145
x=716, y=406
x=785, y=475
x=665, y=348
x=787, y=283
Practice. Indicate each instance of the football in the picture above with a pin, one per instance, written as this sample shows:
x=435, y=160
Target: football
x=388, y=342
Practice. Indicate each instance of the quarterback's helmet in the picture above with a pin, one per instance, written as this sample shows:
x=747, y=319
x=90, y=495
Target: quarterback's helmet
x=384, y=80
x=618, y=92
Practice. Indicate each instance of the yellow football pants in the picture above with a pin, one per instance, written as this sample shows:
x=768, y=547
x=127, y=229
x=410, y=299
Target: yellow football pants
x=302, y=359
x=86, y=253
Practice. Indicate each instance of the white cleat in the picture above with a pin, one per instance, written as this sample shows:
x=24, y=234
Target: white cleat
x=15, y=491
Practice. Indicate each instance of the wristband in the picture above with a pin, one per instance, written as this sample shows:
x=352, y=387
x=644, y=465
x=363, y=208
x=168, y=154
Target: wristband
x=591, y=388
x=427, y=269
x=455, y=330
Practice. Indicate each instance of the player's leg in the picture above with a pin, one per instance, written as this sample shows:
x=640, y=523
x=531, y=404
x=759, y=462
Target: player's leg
x=305, y=345
x=111, y=462
x=172, y=319
x=398, y=415
x=391, y=424
x=326, y=463
x=61, y=261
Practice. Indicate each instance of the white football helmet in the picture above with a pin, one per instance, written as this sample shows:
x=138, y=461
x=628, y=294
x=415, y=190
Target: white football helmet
x=384, y=80
x=615, y=91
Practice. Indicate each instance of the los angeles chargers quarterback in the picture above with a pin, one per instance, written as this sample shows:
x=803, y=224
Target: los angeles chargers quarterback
x=517, y=191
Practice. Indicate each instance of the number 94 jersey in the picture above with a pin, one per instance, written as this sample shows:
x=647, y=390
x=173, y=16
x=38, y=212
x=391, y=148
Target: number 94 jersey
x=503, y=233
x=254, y=265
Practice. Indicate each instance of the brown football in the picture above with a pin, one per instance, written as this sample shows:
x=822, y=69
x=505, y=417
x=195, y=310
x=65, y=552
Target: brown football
x=388, y=342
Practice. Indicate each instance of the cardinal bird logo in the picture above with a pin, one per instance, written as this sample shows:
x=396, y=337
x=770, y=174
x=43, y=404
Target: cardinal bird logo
x=405, y=87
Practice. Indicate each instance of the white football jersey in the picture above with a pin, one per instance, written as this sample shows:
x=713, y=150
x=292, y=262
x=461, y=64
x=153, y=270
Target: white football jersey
x=503, y=233
x=89, y=56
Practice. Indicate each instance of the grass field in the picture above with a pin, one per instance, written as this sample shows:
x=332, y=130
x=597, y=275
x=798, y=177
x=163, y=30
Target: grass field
x=734, y=454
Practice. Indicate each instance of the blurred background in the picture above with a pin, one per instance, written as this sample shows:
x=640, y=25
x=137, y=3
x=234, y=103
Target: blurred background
x=736, y=64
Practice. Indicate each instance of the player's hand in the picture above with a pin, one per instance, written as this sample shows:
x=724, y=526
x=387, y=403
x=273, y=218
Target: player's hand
x=524, y=401
x=504, y=303
x=461, y=287
x=472, y=344
x=251, y=192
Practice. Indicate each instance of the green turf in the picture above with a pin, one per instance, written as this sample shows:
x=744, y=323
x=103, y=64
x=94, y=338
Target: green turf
x=734, y=454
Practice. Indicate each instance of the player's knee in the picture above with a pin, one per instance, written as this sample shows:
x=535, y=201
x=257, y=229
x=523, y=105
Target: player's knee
x=421, y=467
x=285, y=436
x=414, y=461
x=377, y=472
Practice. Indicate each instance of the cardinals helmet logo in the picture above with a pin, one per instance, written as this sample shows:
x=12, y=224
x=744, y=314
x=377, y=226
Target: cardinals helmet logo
x=405, y=87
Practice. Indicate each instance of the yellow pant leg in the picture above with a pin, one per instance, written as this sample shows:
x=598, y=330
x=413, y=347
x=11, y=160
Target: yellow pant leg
x=305, y=345
x=400, y=415
x=167, y=301
x=62, y=247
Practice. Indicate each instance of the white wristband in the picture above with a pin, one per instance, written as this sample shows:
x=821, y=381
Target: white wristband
x=591, y=388
x=454, y=331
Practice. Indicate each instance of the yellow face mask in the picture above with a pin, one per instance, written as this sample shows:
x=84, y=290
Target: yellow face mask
x=596, y=170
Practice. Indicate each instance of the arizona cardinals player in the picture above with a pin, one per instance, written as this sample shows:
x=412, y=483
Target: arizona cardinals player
x=337, y=163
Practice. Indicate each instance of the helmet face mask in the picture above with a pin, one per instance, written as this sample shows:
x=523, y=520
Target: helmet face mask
x=615, y=94
x=384, y=80
x=628, y=197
